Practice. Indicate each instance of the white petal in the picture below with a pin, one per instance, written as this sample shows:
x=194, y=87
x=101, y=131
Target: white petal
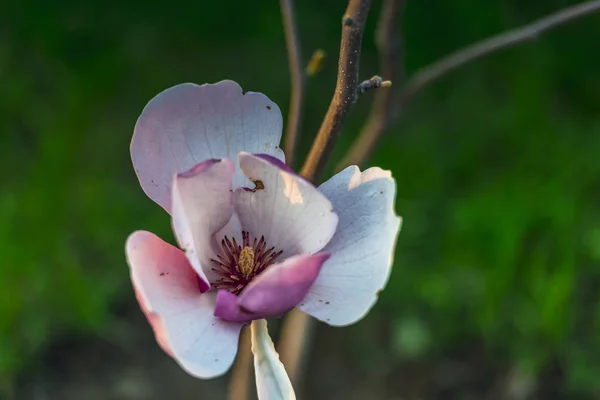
x=362, y=248
x=168, y=290
x=289, y=211
x=189, y=123
x=202, y=206
x=272, y=382
x=204, y=345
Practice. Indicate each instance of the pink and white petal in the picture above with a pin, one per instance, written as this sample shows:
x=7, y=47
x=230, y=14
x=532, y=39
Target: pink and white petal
x=161, y=273
x=188, y=123
x=362, y=248
x=182, y=317
x=288, y=210
x=274, y=292
x=202, y=206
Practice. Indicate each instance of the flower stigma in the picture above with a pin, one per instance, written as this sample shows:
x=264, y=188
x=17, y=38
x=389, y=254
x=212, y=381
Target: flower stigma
x=239, y=264
x=246, y=261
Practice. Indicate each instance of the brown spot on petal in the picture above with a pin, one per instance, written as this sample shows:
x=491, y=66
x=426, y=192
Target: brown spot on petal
x=268, y=107
x=326, y=302
x=259, y=185
x=162, y=274
x=377, y=293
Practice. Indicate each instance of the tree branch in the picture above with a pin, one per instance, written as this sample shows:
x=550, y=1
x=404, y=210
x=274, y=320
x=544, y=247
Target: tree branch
x=364, y=146
x=353, y=24
x=384, y=110
x=297, y=78
x=297, y=327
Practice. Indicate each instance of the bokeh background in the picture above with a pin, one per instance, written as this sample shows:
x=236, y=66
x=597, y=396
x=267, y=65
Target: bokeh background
x=495, y=290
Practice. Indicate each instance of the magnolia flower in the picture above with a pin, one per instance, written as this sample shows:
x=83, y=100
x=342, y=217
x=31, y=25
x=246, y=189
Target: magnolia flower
x=255, y=239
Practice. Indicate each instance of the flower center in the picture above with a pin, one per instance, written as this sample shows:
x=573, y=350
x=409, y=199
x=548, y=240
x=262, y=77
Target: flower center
x=239, y=264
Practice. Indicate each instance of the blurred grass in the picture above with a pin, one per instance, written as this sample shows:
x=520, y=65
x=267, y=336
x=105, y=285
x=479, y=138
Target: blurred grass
x=496, y=166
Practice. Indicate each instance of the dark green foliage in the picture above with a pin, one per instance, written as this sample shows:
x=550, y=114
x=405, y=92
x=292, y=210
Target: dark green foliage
x=498, y=178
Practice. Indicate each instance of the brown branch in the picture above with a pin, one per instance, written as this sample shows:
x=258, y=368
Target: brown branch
x=297, y=78
x=297, y=327
x=353, y=24
x=239, y=382
x=364, y=146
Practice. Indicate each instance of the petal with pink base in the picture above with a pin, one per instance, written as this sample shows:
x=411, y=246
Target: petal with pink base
x=289, y=211
x=362, y=248
x=182, y=317
x=274, y=292
x=155, y=322
x=188, y=123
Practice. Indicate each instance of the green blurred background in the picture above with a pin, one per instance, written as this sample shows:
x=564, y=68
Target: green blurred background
x=495, y=290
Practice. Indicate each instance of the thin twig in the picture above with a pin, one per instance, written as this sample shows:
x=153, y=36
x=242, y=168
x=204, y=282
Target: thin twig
x=384, y=110
x=239, y=382
x=297, y=78
x=529, y=32
x=363, y=147
x=353, y=24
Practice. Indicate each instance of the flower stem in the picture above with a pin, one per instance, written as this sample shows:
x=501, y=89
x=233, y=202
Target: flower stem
x=297, y=328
